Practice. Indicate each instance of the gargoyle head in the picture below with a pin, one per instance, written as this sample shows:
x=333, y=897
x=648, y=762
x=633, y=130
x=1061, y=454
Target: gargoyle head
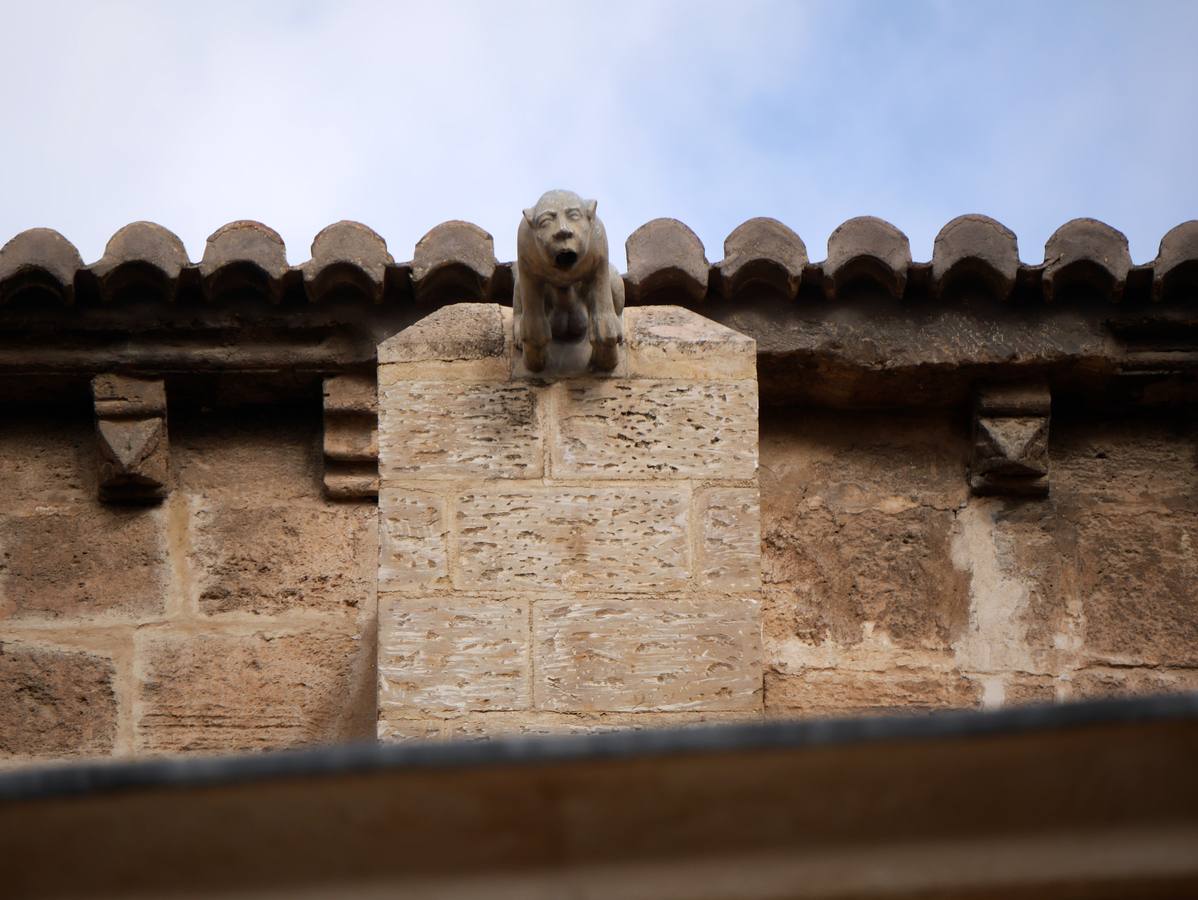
x=562, y=222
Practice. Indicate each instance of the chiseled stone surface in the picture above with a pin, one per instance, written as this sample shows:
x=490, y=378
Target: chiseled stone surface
x=633, y=428
x=465, y=340
x=248, y=691
x=462, y=653
x=86, y=562
x=829, y=692
x=729, y=522
x=55, y=702
x=446, y=429
x=647, y=653
x=412, y=536
x=574, y=538
x=672, y=342
x=270, y=559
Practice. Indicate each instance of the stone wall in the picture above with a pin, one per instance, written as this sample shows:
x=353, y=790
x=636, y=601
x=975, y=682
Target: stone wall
x=888, y=586
x=237, y=614
x=573, y=555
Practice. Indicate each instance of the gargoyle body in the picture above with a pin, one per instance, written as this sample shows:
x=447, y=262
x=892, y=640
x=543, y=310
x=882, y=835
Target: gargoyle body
x=565, y=288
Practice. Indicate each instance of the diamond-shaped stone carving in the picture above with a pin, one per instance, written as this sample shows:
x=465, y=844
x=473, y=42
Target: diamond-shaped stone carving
x=1010, y=441
x=131, y=435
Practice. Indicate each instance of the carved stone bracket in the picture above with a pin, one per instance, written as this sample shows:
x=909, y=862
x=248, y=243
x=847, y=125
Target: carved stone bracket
x=1010, y=441
x=131, y=434
x=351, y=442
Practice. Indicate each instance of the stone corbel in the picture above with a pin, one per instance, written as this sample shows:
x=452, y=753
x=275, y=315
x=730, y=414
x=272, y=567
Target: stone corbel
x=133, y=452
x=351, y=442
x=1010, y=441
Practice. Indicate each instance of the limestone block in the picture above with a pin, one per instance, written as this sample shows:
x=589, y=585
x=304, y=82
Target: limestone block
x=351, y=449
x=729, y=523
x=1122, y=682
x=55, y=702
x=658, y=429
x=647, y=653
x=256, y=691
x=574, y=538
x=464, y=340
x=270, y=559
x=671, y=342
x=412, y=540
x=458, y=653
x=823, y=692
x=86, y=562
x=452, y=429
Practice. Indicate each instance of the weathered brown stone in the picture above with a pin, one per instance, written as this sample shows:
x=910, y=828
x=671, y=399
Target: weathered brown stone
x=412, y=533
x=452, y=429
x=453, y=261
x=647, y=653
x=729, y=524
x=501, y=723
x=573, y=538
x=1117, y=682
x=141, y=259
x=975, y=250
x=270, y=559
x=666, y=262
x=662, y=429
x=256, y=691
x=824, y=692
x=83, y=562
x=348, y=260
x=867, y=249
x=39, y=261
x=762, y=251
x=1085, y=256
x=55, y=702
x=465, y=340
x=457, y=653
x=1175, y=270
x=47, y=462
x=244, y=257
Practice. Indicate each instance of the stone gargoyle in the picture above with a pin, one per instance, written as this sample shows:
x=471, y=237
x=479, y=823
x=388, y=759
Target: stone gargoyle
x=565, y=288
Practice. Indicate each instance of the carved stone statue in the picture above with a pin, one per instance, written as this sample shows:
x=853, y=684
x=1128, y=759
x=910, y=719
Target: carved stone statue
x=565, y=289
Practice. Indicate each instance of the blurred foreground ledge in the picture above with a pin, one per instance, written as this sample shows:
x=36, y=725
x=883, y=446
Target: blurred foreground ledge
x=1096, y=799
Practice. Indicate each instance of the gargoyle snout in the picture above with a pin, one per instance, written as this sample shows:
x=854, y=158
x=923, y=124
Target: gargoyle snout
x=563, y=233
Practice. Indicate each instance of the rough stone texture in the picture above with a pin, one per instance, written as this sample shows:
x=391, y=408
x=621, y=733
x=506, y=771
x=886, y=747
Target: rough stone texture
x=244, y=257
x=270, y=559
x=665, y=429
x=413, y=530
x=1175, y=270
x=87, y=563
x=1010, y=441
x=729, y=522
x=620, y=576
x=351, y=447
x=456, y=653
x=573, y=538
x=131, y=437
x=632, y=654
x=251, y=691
x=459, y=430
x=823, y=693
x=55, y=702
x=39, y=261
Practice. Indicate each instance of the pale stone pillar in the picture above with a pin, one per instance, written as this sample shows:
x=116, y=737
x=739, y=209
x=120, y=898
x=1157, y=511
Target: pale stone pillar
x=566, y=555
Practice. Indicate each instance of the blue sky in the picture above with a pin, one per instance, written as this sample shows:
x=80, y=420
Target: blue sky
x=401, y=116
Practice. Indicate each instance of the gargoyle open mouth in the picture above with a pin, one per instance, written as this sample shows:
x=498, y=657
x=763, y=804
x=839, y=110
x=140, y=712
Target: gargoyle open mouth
x=564, y=259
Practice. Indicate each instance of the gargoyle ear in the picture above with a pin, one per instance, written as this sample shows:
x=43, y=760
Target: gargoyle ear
x=528, y=215
x=589, y=206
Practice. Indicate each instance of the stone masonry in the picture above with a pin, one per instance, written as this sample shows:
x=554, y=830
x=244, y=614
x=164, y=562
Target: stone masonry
x=566, y=555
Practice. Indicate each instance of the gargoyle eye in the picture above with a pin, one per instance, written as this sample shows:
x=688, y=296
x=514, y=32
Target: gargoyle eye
x=574, y=215
x=544, y=220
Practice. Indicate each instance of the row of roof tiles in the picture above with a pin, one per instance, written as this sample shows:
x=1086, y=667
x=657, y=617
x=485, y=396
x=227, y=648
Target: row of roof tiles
x=457, y=260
